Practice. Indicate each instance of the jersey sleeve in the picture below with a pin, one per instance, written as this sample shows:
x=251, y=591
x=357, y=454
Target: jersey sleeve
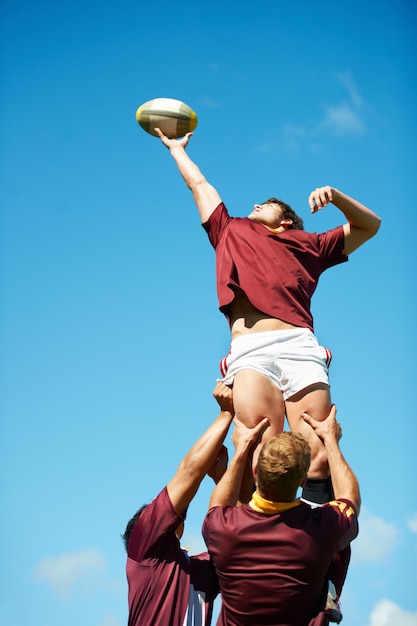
x=203, y=575
x=155, y=524
x=332, y=247
x=217, y=224
x=345, y=517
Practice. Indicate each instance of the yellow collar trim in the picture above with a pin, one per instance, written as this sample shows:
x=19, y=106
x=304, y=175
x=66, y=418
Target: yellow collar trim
x=276, y=231
x=260, y=505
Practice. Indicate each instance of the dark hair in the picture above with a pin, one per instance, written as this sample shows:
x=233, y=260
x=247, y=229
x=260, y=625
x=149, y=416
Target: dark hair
x=289, y=213
x=130, y=525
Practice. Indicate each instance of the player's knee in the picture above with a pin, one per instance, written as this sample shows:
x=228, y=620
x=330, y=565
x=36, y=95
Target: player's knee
x=249, y=419
x=319, y=465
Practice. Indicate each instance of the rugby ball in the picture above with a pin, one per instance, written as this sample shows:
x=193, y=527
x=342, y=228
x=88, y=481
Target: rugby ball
x=173, y=117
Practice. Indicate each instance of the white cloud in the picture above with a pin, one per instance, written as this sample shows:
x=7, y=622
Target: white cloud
x=345, y=78
x=386, y=613
x=63, y=571
x=376, y=540
x=266, y=147
x=342, y=119
x=345, y=117
x=412, y=523
x=110, y=620
x=210, y=103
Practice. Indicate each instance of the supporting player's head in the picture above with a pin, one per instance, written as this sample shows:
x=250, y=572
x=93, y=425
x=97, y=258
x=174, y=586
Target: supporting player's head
x=282, y=466
x=131, y=523
x=275, y=213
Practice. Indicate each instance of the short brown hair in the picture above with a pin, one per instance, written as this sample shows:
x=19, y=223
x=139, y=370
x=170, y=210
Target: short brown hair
x=282, y=465
x=288, y=212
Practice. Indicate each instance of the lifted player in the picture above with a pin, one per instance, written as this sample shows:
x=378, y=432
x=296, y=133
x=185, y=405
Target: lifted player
x=267, y=271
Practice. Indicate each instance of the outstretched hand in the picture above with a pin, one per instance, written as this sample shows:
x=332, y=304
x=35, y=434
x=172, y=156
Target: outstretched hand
x=170, y=143
x=320, y=197
x=328, y=429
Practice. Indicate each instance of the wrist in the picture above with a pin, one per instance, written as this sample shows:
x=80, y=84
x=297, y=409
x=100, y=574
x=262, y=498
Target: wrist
x=331, y=443
x=332, y=447
x=335, y=195
x=175, y=146
x=242, y=451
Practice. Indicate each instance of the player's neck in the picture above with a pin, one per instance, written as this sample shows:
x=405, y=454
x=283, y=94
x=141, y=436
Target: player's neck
x=270, y=507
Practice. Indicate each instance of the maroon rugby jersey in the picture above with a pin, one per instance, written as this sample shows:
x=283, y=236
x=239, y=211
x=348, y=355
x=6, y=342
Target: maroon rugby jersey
x=272, y=569
x=278, y=272
x=166, y=586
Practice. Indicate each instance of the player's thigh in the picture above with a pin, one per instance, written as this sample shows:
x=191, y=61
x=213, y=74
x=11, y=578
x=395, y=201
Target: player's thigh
x=256, y=397
x=314, y=400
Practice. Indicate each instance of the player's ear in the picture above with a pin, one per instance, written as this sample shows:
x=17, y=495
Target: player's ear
x=286, y=223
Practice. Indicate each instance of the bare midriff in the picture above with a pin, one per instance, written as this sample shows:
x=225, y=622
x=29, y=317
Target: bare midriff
x=245, y=318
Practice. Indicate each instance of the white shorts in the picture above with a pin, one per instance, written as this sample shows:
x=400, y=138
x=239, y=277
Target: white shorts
x=291, y=359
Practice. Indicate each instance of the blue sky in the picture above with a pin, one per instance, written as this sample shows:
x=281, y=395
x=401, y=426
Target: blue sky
x=110, y=333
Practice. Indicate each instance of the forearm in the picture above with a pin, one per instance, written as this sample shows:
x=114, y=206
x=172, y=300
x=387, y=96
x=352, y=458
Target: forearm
x=196, y=463
x=205, y=195
x=356, y=213
x=190, y=172
x=344, y=481
x=200, y=457
x=226, y=492
x=247, y=484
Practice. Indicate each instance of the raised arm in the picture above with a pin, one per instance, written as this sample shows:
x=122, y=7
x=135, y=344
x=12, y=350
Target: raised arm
x=344, y=481
x=205, y=195
x=362, y=223
x=204, y=455
x=226, y=492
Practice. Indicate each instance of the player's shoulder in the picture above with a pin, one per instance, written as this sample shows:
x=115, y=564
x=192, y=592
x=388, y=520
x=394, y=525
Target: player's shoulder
x=343, y=506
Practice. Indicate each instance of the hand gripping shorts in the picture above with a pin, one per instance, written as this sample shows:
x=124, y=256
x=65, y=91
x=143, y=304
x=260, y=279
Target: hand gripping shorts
x=291, y=359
